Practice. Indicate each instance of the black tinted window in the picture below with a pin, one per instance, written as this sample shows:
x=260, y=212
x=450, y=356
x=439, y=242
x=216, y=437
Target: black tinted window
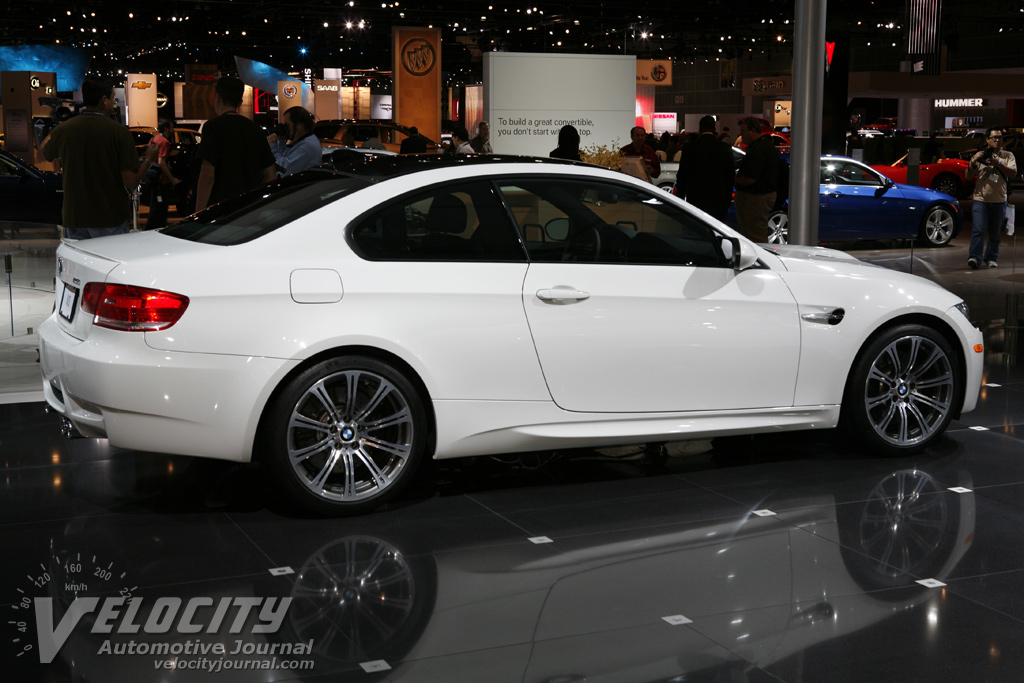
x=265, y=209
x=461, y=222
x=597, y=222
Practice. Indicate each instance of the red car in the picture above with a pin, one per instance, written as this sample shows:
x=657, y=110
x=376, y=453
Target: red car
x=887, y=123
x=948, y=175
x=780, y=140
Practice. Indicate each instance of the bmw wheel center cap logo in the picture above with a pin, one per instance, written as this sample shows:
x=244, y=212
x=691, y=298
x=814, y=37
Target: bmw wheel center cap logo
x=347, y=433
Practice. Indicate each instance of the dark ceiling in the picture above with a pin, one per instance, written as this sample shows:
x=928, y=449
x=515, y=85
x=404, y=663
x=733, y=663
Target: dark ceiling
x=162, y=37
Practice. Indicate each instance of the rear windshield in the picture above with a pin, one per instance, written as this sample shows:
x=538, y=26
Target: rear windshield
x=265, y=209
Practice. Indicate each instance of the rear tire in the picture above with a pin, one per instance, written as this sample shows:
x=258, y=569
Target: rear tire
x=949, y=184
x=346, y=436
x=903, y=390
x=938, y=226
x=778, y=228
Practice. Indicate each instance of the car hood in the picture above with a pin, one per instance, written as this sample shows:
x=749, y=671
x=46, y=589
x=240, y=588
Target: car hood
x=923, y=194
x=795, y=253
x=797, y=259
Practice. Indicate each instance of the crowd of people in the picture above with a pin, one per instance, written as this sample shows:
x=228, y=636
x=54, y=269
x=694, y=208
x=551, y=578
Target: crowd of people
x=101, y=165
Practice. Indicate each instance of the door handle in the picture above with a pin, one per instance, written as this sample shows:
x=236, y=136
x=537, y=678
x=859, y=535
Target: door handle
x=560, y=295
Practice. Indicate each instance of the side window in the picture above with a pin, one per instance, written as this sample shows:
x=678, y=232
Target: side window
x=838, y=172
x=8, y=167
x=569, y=220
x=463, y=222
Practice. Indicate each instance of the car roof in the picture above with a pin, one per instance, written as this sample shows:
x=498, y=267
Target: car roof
x=376, y=168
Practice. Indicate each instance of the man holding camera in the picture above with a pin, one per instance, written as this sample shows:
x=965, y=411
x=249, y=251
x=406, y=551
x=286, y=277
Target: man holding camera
x=994, y=168
x=302, y=149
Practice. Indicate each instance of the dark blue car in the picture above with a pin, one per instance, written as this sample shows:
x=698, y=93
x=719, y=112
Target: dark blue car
x=28, y=195
x=855, y=202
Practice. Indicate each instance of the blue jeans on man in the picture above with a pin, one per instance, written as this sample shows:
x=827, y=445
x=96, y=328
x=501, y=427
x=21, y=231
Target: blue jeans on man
x=985, y=218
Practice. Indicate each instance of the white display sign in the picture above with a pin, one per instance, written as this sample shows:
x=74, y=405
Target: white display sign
x=381, y=107
x=141, y=105
x=664, y=122
x=529, y=97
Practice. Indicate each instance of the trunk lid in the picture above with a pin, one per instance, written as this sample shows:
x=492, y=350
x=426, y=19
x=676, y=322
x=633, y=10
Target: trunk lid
x=77, y=265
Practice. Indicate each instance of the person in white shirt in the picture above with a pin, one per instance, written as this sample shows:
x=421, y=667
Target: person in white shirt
x=460, y=141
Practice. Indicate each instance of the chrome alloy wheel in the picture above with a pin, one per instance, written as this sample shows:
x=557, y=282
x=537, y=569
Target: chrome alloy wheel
x=939, y=226
x=903, y=523
x=947, y=184
x=358, y=599
x=909, y=390
x=778, y=228
x=350, y=436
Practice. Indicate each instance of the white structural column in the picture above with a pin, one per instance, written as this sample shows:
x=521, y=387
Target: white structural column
x=808, y=95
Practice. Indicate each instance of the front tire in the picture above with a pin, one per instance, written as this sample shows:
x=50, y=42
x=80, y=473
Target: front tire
x=903, y=390
x=346, y=435
x=938, y=226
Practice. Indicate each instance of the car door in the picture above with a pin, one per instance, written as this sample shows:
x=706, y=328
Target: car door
x=861, y=203
x=633, y=308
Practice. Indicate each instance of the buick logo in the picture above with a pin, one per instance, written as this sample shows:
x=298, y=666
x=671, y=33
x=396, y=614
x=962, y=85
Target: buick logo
x=418, y=57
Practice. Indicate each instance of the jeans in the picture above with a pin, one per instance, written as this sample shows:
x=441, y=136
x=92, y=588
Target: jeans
x=87, y=233
x=986, y=218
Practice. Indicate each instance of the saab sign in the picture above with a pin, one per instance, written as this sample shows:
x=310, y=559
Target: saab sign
x=959, y=103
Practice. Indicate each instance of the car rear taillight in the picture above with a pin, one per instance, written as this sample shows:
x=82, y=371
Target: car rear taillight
x=137, y=309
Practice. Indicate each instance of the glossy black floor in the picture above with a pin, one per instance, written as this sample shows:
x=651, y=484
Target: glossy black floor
x=790, y=557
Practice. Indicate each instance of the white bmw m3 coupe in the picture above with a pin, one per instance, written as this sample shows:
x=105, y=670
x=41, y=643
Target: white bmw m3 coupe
x=341, y=326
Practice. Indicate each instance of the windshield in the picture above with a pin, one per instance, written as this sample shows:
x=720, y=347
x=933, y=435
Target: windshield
x=265, y=209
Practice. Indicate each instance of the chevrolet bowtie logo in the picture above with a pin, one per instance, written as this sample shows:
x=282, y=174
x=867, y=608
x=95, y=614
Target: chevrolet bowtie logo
x=142, y=85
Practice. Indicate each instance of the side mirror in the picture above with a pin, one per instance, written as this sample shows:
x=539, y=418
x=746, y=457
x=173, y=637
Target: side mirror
x=739, y=254
x=557, y=229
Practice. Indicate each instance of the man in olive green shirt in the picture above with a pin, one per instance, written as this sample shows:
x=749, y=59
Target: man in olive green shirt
x=99, y=163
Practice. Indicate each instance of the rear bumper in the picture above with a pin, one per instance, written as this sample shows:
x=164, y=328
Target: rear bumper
x=140, y=398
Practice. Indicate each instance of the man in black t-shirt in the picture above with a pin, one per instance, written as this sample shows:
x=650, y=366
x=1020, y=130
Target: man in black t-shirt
x=234, y=151
x=756, y=182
